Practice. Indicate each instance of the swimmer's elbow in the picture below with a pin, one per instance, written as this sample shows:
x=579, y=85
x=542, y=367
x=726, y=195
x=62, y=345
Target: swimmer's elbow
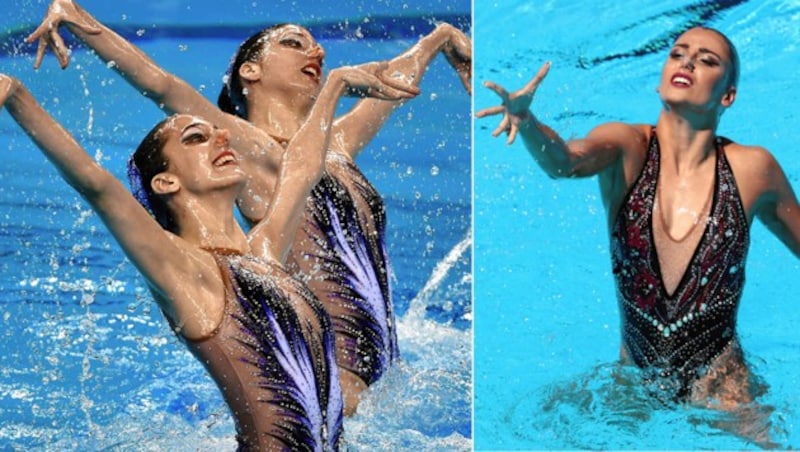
x=566, y=167
x=558, y=173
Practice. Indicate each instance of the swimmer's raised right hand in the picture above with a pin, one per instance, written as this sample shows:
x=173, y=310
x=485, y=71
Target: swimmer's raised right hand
x=371, y=80
x=60, y=11
x=515, y=106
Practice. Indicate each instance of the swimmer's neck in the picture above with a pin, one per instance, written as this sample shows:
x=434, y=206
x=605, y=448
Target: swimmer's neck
x=210, y=224
x=684, y=144
x=280, y=115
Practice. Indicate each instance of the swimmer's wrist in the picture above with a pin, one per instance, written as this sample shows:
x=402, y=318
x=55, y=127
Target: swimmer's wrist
x=526, y=118
x=336, y=80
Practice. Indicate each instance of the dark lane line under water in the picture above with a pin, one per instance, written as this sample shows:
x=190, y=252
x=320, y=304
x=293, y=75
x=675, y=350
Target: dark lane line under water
x=12, y=42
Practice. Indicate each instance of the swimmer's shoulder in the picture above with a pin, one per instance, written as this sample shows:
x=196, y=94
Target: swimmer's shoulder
x=629, y=138
x=194, y=300
x=754, y=167
x=749, y=161
x=739, y=154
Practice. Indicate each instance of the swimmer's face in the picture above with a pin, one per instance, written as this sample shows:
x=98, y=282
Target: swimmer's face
x=291, y=58
x=199, y=157
x=698, y=72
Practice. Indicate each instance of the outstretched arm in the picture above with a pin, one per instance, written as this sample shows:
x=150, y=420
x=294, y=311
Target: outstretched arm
x=159, y=256
x=356, y=128
x=167, y=91
x=779, y=210
x=304, y=158
x=576, y=158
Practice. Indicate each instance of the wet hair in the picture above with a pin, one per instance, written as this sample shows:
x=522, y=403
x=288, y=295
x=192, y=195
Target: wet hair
x=146, y=162
x=232, y=98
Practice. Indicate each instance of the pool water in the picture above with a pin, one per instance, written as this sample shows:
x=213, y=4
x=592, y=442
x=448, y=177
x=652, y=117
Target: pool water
x=87, y=361
x=546, y=316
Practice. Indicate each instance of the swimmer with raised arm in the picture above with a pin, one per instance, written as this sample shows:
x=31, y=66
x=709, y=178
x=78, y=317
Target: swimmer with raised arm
x=272, y=84
x=680, y=201
x=260, y=333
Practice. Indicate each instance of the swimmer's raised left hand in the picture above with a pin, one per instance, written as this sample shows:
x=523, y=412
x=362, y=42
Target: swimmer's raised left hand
x=515, y=107
x=371, y=80
x=60, y=11
x=458, y=51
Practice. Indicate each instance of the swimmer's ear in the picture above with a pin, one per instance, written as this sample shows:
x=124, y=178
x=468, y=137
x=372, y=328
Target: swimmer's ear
x=250, y=71
x=165, y=183
x=729, y=97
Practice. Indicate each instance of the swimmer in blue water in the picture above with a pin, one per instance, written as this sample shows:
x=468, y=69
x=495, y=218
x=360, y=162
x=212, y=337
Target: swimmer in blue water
x=680, y=201
x=271, y=85
x=261, y=334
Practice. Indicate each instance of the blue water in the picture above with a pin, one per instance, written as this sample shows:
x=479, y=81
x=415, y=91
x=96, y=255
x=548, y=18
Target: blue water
x=546, y=317
x=87, y=361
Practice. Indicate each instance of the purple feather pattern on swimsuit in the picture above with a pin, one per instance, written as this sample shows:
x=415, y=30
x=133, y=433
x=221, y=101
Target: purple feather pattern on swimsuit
x=356, y=264
x=309, y=397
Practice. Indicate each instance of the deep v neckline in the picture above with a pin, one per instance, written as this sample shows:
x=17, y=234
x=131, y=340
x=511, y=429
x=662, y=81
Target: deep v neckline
x=709, y=214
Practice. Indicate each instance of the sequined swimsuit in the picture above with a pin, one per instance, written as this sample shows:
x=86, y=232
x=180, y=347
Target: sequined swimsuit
x=272, y=357
x=340, y=252
x=679, y=335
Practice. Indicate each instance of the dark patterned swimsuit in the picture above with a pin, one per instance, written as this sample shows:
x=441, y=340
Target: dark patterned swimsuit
x=273, y=359
x=340, y=252
x=679, y=335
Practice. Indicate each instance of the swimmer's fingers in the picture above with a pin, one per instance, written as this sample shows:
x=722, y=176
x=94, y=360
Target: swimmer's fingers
x=531, y=86
x=464, y=70
x=387, y=93
x=41, y=48
x=458, y=52
x=502, y=127
x=59, y=12
x=40, y=34
x=512, y=132
x=59, y=48
x=499, y=90
x=370, y=80
x=491, y=111
x=48, y=36
x=398, y=84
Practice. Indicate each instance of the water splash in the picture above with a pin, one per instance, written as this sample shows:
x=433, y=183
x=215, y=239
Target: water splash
x=425, y=399
x=417, y=307
x=608, y=407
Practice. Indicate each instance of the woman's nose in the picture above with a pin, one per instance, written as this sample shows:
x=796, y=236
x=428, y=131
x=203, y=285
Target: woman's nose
x=222, y=136
x=317, y=52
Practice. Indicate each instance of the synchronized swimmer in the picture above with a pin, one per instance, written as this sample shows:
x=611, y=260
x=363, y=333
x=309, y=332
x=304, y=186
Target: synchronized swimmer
x=271, y=86
x=261, y=334
x=680, y=201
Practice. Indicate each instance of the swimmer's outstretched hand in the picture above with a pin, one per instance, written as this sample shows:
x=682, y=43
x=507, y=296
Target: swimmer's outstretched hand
x=371, y=80
x=516, y=106
x=60, y=11
x=458, y=51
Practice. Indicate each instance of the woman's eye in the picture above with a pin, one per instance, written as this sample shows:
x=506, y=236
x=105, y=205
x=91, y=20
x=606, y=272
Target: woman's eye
x=710, y=62
x=675, y=55
x=292, y=43
x=194, y=138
